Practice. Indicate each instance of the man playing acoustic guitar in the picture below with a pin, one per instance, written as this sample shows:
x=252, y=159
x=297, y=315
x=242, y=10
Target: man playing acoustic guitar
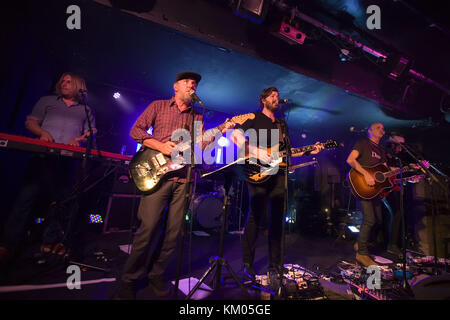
x=368, y=153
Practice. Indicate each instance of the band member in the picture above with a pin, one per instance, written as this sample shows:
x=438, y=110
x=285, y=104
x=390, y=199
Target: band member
x=59, y=118
x=165, y=116
x=368, y=152
x=267, y=193
x=396, y=157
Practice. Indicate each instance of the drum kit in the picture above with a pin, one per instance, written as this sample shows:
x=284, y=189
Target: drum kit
x=207, y=204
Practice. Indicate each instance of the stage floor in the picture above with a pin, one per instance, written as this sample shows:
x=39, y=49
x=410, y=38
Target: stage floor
x=34, y=278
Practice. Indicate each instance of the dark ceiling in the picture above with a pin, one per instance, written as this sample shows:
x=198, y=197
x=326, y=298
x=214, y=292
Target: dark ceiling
x=138, y=52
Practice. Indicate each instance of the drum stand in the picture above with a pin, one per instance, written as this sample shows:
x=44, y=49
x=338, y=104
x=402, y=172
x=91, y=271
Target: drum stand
x=218, y=261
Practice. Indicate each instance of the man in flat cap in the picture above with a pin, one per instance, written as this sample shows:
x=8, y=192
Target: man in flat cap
x=165, y=116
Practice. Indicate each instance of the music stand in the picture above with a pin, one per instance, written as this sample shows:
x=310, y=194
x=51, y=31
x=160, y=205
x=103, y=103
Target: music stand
x=225, y=174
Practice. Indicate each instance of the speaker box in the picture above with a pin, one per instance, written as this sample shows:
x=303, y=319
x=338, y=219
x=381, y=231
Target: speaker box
x=123, y=184
x=121, y=213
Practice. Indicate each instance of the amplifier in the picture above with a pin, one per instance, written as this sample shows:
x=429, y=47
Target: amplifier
x=121, y=213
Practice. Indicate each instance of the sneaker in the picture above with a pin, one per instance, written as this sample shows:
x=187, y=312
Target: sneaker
x=159, y=287
x=126, y=291
x=365, y=260
x=249, y=272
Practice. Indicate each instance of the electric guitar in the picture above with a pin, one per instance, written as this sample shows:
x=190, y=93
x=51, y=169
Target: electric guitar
x=383, y=176
x=148, y=167
x=301, y=165
x=257, y=172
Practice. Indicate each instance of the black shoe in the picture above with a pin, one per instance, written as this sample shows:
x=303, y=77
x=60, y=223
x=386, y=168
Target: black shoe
x=282, y=270
x=249, y=273
x=126, y=291
x=159, y=287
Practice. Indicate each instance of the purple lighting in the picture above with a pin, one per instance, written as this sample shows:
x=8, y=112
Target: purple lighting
x=116, y=95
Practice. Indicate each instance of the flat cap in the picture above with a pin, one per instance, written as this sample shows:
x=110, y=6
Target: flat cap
x=188, y=75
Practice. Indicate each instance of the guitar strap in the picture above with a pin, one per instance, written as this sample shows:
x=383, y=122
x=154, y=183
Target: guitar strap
x=281, y=138
x=281, y=133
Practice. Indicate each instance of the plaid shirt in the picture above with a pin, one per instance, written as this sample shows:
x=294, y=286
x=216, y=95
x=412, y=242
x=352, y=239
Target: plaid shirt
x=165, y=117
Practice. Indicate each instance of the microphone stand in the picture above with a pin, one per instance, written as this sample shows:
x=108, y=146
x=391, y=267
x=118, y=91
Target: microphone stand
x=188, y=195
x=431, y=178
x=405, y=284
x=287, y=146
x=91, y=139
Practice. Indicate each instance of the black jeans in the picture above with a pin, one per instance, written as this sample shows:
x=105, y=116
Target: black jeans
x=371, y=210
x=261, y=195
x=392, y=203
x=151, y=212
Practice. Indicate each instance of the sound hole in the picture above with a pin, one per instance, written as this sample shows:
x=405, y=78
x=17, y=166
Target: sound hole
x=379, y=176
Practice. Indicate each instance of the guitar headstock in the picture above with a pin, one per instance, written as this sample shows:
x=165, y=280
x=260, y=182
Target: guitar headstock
x=242, y=118
x=330, y=144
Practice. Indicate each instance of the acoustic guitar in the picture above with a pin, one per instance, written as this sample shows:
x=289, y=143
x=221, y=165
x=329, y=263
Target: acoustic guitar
x=383, y=176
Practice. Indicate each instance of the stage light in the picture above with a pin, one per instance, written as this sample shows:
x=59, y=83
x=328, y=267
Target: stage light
x=289, y=34
x=219, y=156
x=353, y=229
x=290, y=220
x=402, y=64
x=253, y=10
x=116, y=95
x=291, y=216
x=345, y=55
x=138, y=145
x=223, y=142
x=39, y=220
x=303, y=135
x=95, y=218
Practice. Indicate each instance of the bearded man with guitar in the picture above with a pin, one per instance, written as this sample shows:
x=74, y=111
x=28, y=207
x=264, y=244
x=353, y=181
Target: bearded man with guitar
x=271, y=189
x=166, y=117
x=368, y=153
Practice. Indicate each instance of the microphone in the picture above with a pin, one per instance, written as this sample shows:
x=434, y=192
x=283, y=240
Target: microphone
x=282, y=101
x=195, y=97
x=355, y=130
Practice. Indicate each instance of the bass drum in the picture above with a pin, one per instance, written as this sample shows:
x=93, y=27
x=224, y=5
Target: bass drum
x=208, y=210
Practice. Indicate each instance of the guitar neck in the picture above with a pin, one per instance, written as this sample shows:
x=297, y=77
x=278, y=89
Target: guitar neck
x=303, y=165
x=396, y=172
x=307, y=148
x=207, y=136
x=397, y=181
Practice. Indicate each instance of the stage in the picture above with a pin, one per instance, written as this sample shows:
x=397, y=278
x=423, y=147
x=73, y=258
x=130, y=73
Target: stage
x=33, y=277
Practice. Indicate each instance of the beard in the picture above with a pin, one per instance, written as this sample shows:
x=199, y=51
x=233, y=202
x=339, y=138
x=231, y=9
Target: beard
x=186, y=97
x=272, y=107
